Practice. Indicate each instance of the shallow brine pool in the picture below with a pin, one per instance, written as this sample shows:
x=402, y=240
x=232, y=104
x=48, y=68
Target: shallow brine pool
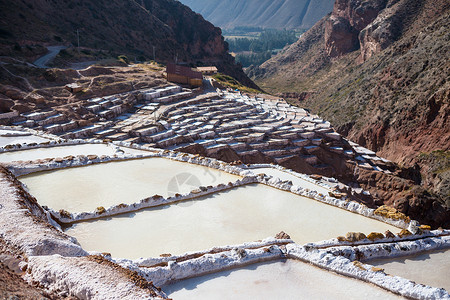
x=85, y=188
x=239, y=215
x=19, y=138
x=62, y=151
x=432, y=268
x=275, y=280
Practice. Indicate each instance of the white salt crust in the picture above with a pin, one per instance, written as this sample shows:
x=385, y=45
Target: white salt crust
x=336, y=243
x=204, y=262
x=84, y=279
x=325, y=183
x=154, y=261
x=398, y=248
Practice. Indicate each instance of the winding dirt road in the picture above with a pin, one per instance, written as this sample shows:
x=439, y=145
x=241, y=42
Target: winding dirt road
x=53, y=51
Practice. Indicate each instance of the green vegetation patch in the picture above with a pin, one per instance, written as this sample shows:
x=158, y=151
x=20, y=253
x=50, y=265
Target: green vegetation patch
x=439, y=160
x=256, y=48
x=230, y=82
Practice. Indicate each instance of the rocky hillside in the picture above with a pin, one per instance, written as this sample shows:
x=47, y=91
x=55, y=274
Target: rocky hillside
x=262, y=13
x=379, y=70
x=129, y=27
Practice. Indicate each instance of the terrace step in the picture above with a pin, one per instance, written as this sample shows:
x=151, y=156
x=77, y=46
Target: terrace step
x=118, y=136
x=39, y=115
x=53, y=119
x=205, y=143
x=211, y=149
x=171, y=141
x=63, y=127
x=283, y=158
x=275, y=153
x=84, y=131
x=301, y=142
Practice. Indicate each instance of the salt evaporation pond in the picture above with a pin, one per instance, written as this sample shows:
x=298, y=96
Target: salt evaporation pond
x=432, y=268
x=62, y=151
x=239, y=215
x=86, y=188
x=8, y=137
x=275, y=280
x=296, y=180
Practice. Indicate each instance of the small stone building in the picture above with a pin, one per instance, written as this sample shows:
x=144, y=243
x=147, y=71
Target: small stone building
x=207, y=70
x=183, y=75
x=73, y=88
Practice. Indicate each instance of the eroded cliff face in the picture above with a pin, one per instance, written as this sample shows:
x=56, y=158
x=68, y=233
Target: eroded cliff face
x=389, y=91
x=348, y=18
x=198, y=37
x=374, y=25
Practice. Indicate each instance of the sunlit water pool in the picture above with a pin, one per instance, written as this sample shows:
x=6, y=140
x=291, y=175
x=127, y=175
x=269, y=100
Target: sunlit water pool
x=62, y=151
x=432, y=268
x=106, y=184
x=275, y=280
x=239, y=215
x=21, y=138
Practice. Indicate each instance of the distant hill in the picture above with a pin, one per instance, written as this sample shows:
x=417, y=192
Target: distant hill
x=262, y=13
x=130, y=27
x=379, y=71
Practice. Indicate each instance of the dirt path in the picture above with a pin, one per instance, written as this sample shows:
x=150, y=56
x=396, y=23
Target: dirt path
x=207, y=85
x=53, y=51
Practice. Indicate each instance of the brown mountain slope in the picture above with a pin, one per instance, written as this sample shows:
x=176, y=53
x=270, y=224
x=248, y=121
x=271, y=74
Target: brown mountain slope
x=130, y=27
x=379, y=72
x=262, y=13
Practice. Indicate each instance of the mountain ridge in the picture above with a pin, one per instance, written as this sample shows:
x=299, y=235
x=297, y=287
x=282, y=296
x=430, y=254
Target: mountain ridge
x=288, y=14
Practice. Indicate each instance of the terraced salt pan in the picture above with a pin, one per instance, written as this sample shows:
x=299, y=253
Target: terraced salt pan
x=295, y=179
x=275, y=280
x=19, y=138
x=86, y=188
x=239, y=215
x=5, y=132
x=62, y=151
x=431, y=268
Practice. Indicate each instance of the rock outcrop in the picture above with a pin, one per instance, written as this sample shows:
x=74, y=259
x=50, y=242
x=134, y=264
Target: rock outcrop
x=348, y=18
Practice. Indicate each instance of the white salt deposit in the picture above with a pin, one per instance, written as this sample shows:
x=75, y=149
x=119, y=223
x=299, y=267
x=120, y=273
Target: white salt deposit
x=296, y=180
x=431, y=268
x=62, y=151
x=9, y=132
x=244, y=214
x=275, y=280
x=12, y=137
x=86, y=188
x=84, y=279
